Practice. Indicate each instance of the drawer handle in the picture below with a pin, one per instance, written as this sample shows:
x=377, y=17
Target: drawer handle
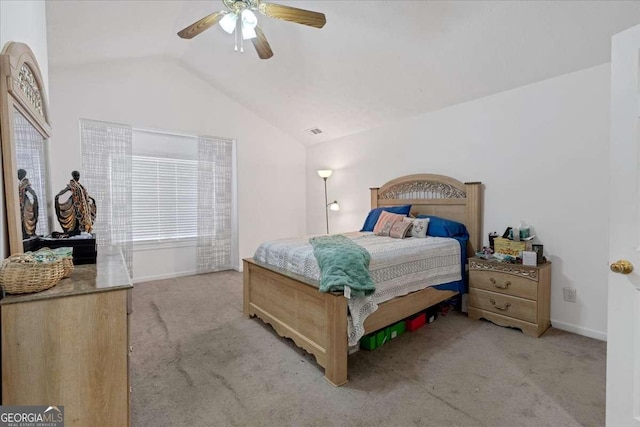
x=495, y=284
x=505, y=307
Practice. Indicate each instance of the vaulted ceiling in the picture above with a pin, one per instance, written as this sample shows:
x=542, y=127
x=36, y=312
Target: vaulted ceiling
x=374, y=62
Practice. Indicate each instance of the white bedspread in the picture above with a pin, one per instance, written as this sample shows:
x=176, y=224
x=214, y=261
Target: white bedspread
x=398, y=267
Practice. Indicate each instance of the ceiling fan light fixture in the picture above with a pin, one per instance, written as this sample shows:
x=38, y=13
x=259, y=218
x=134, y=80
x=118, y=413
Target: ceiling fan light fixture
x=248, y=33
x=240, y=13
x=228, y=22
x=249, y=18
x=249, y=22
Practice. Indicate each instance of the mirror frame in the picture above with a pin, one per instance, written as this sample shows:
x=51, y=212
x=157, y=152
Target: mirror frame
x=18, y=66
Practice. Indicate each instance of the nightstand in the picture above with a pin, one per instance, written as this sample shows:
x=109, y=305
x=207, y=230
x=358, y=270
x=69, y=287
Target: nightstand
x=510, y=294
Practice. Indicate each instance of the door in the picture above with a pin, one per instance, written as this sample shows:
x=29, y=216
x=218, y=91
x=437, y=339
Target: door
x=623, y=335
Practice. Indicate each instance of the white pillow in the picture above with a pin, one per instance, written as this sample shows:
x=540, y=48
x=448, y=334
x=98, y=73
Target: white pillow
x=418, y=228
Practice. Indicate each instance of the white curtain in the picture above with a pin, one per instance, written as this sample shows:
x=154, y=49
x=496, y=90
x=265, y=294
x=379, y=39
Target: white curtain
x=214, y=204
x=106, y=174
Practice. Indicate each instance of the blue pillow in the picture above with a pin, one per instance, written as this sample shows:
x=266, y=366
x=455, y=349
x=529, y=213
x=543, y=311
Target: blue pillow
x=374, y=215
x=440, y=227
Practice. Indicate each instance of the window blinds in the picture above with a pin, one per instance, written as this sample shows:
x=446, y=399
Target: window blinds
x=165, y=203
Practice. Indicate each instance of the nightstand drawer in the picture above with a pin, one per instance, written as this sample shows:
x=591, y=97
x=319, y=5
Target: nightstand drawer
x=515, y=307
x=504, y=283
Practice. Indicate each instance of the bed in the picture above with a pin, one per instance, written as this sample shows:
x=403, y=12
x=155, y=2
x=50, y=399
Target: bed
x=318, y=322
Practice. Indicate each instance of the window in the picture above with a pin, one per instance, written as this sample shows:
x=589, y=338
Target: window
x=164, y=198
x=164, y=187
x=155, y=187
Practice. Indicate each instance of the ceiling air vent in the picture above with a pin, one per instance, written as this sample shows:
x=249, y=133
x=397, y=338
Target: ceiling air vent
x=314, y=131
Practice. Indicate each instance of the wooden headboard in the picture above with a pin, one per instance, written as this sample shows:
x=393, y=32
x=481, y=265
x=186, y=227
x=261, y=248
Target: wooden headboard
x=438, y=195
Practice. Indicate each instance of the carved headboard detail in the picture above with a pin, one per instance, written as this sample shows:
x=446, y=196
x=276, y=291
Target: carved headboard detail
x=438, y=195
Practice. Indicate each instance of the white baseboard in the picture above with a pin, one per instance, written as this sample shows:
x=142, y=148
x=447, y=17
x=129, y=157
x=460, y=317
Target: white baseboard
x=172, y=275
x=164, y=276
x=602, y=336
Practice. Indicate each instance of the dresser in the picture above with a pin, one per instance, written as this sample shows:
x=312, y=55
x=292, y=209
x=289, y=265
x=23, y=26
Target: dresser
x=510, y=294
x=69, y=345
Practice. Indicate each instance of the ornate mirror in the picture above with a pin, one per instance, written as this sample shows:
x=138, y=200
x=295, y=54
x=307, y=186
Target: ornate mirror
x=24, y=133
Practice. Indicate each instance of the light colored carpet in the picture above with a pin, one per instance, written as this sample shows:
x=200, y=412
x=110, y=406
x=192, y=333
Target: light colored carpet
x=198, y=362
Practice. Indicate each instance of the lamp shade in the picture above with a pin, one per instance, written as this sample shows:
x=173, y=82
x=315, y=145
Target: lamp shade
x=334, y=206
x=249, y=23
x=228, y=22
x=325, y=173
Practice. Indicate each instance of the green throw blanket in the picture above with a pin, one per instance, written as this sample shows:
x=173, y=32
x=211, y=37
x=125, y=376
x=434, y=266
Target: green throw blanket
x=342, y=263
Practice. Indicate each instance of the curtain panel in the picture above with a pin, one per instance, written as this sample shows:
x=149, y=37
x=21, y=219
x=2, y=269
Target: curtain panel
x=106, y=173
x=214, y=204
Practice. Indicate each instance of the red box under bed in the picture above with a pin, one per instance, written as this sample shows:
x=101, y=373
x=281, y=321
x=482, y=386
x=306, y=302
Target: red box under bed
x=416, y=322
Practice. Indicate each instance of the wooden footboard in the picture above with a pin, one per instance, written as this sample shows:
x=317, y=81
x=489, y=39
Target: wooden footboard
x=317, y=322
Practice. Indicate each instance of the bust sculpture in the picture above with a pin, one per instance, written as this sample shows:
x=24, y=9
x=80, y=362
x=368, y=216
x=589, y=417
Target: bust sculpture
x=78, y=213
x=28, y=205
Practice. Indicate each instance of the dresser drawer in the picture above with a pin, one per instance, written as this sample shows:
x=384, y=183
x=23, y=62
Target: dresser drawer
x=504, y=283
x=515, y=307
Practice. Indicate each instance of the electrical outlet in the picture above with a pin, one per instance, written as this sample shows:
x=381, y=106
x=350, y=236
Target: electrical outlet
x=569, y=294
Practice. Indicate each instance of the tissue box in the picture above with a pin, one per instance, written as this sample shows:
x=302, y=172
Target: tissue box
x=529, y=258
x=508, y=247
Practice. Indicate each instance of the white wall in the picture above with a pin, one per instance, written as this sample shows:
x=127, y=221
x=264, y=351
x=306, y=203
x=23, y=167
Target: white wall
x=22, y=21
x=541, y=150
x=25, y=21
x=155, y=93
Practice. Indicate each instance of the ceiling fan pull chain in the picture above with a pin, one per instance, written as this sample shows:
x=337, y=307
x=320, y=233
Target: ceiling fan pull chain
x=239, y=32
x=235, y=35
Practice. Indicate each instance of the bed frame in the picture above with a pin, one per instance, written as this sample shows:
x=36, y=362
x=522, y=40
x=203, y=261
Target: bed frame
x=317, y=322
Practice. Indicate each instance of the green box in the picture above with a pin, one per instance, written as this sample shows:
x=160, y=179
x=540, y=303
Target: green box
x=368, y=342
x=398, y=329
x=382, y=336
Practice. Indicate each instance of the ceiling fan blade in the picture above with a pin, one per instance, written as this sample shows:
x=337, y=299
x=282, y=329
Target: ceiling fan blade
x=207, y=22
x=262, y=45
x=293, y=14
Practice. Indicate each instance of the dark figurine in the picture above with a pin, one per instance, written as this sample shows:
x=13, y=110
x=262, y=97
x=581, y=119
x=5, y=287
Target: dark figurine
x=28, y=206
x=78, y=213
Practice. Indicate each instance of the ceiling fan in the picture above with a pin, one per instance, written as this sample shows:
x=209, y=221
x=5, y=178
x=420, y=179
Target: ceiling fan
x=240, y=14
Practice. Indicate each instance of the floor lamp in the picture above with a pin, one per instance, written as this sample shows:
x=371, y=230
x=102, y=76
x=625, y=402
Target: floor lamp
x=324, y=174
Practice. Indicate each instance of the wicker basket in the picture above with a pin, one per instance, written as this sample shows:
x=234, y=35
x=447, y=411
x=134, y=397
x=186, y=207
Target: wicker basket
x=67, y=263
x=64, y=253
x=22, y=274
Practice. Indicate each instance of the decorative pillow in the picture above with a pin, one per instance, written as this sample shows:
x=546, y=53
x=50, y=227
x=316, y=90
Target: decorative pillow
x=440, y=227
x=384, y=217
x=399, y=229
x=385, y=229
x=418, y=227
x=374, y=215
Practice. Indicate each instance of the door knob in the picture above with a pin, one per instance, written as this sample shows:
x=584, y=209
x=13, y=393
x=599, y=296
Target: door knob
x=622, y=266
